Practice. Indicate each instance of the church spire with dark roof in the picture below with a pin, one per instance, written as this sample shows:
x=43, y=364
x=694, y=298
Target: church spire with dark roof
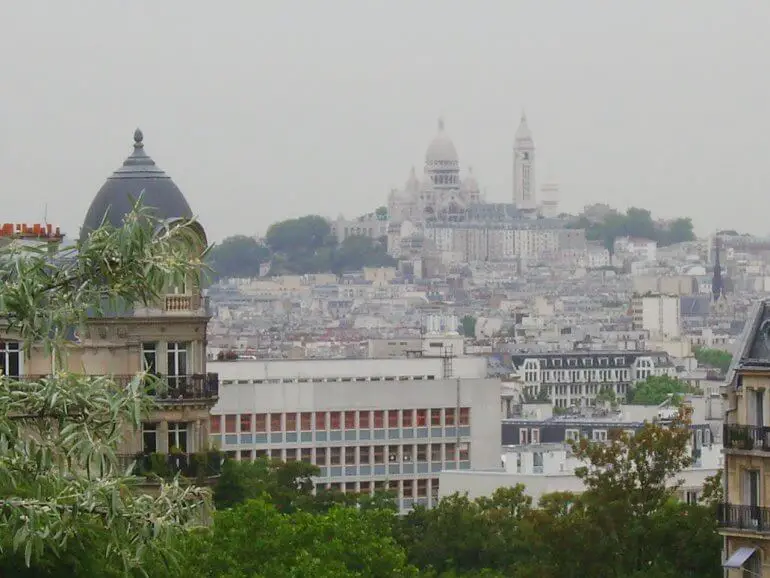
x=717, y=282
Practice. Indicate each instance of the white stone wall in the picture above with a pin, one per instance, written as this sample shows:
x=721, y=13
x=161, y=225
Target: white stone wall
x=552, y=479
x=323, y=369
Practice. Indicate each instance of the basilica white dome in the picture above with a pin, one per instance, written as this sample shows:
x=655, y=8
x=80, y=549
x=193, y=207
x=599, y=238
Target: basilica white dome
x=442, y=149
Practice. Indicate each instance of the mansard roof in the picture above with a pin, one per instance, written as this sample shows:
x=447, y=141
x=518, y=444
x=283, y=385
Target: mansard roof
x=753, y=352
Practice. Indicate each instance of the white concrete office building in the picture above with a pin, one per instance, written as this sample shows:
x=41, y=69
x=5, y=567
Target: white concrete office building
x=368, y=424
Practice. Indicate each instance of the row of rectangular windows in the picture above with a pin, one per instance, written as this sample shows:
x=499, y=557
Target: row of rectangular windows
x=367, y=455
x=573, y=362
x=337, y=420
x=576, y=389
x=600, y=375
x=403, y=488
x=532, y=435
x=421, y=377
x=384, y=470
x=351, y=435
x=408, y=488
x=700, y=437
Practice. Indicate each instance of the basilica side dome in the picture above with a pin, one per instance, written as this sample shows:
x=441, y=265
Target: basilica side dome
x=139, y=175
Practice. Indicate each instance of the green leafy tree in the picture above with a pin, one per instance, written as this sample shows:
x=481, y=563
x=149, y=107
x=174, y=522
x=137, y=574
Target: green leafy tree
x=67, y=506
x=635, y=222
x=568, y=542
x=468, y=326
x=679, y=231
x=299, y=236
x=629, y=481
x=540, y=397
x=684, y=537
x=716, y=358
x=255, y=540
x=288, y=485
x=657, y=388
x=638, y=223
x=237, y=256
x=713, y=490
x=607, y=394
x=380, y=500
x=297, y=246
x=628, y=522
x=358, y=251
x=303, y=245
x=465, y=536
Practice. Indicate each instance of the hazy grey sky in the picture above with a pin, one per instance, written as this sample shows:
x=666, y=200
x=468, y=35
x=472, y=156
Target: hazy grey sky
x=262, y=110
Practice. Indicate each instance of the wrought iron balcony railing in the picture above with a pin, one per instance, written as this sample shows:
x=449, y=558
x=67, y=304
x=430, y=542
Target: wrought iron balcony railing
x=749, y=518
x=168, y=387
x=197, y=386
x=190, y=465
x=747, y=437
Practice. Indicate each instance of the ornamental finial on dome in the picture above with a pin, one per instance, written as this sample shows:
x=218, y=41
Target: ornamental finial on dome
x=440, y=123
x=138, y=138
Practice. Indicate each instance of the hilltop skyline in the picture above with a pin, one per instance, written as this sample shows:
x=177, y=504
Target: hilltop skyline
x=261, y=113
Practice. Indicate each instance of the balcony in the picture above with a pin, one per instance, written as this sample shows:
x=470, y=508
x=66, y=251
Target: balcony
x=188, y=387
x=164, y=466
x=174, y=304
x=747, y=437
x=747, y=518
x=179, y=303
x=199, y=386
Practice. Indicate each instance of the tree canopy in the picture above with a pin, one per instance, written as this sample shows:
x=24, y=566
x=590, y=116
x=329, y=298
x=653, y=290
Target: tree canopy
x=237, y=256
x=288, y=485
x=297, y=246
x=716, y=358
x=68, y=507
x=657, y=388
x=626, y=524
x=255, y=540
x=635, y=222
x=358, y=251
x=468, y=326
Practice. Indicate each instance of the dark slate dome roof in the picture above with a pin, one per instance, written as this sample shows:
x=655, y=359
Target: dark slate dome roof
x=139, y=175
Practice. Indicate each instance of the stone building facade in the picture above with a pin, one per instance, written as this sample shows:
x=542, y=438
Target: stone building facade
x=167, y=338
